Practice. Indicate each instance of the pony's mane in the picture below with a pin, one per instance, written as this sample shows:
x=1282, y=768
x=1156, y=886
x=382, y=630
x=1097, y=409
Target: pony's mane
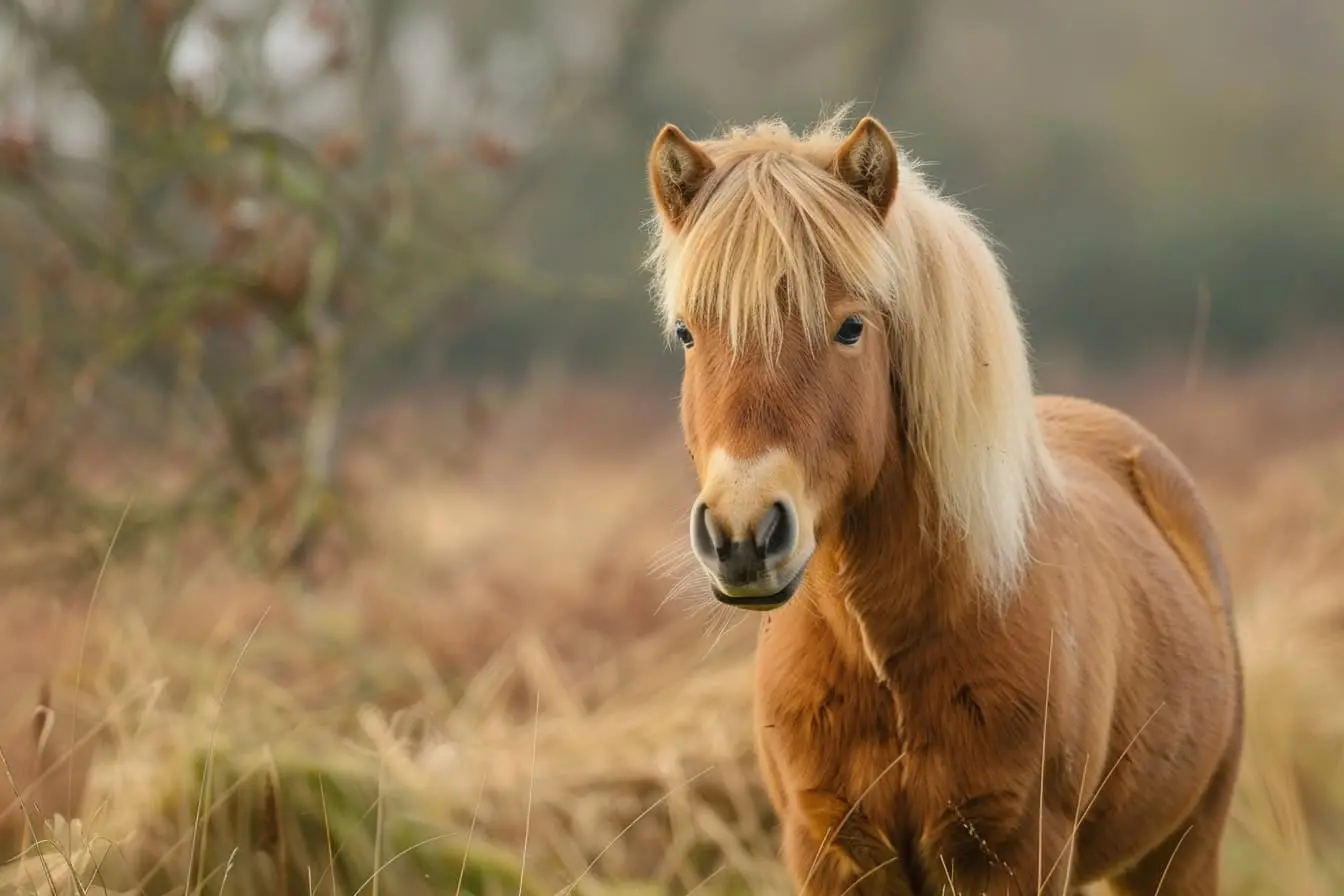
x=773, y=231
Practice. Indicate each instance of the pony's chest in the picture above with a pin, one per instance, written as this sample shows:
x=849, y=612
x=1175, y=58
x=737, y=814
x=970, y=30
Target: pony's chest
x=827, y=722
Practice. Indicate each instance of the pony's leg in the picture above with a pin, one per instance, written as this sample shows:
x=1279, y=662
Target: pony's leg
x=983, y=879
x=1186, y=864
x=831, y=851
x=967, y=859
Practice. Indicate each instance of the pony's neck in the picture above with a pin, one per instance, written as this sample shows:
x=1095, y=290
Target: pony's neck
x=886, y=584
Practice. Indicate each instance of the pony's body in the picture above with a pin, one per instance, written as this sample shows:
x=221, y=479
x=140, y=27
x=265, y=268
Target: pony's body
x=997, y=619
x=944, y=760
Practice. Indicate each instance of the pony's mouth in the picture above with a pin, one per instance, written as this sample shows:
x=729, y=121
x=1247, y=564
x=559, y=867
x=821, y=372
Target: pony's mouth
x=754, y=600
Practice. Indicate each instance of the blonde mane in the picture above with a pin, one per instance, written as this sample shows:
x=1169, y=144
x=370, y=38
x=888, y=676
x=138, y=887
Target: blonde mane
x=774, y=232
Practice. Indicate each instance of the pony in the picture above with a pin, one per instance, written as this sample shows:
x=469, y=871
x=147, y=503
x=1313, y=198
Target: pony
x=997, y=653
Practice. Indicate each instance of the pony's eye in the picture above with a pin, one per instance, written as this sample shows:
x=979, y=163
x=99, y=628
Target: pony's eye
x=684, y=334
x=850, y=330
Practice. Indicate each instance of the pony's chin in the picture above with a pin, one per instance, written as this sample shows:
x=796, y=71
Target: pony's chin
x=761, y=602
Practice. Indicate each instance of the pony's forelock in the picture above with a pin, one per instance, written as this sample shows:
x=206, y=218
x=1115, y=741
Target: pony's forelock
x=775, y=232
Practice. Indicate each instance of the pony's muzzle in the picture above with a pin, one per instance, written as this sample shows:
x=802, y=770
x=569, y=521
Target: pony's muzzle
x=748, y=560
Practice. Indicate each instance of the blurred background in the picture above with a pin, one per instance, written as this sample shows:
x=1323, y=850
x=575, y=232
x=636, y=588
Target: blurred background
x=342, y=496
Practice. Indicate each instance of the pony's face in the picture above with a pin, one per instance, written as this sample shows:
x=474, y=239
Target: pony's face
x=783, y=435
x=780, y=451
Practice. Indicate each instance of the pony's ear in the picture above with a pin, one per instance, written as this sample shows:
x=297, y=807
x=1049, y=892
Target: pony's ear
x=677, y=170
x=867, y=162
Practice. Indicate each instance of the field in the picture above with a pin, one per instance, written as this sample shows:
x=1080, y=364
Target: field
x=493, y=687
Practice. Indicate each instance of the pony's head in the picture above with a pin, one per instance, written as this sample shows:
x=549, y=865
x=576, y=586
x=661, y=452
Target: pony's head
x=828, y=325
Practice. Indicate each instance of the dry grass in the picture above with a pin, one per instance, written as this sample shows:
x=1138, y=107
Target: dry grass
x=491, y=682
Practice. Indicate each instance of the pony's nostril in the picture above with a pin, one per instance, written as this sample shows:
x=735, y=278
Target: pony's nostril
x=766, y=526
x=706, y=537
x=774, y=533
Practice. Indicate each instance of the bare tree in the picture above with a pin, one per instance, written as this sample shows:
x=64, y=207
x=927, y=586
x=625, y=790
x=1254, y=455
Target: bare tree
x=237, y=216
